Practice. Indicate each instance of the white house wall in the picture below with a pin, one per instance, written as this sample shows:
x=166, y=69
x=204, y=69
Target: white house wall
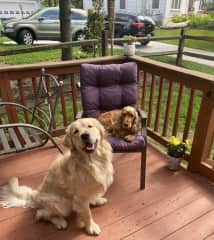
x=144, y=7
x=132, y=6
x=17, y=9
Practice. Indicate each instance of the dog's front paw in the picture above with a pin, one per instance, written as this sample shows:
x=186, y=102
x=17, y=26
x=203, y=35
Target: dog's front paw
x=129, y=138
x=99, y=201
x=93, y=229
x=59, y=222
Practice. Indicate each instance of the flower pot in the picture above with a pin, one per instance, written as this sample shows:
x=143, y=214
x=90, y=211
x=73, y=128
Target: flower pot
x=174, y=163
x=129, y=49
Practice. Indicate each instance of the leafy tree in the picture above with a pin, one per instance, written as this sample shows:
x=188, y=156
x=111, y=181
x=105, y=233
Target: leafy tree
x=77, y=3
x=52, y=3
x=96, y=18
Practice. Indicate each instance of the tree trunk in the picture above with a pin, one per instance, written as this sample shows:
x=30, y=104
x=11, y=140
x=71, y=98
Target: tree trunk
x=65, y=28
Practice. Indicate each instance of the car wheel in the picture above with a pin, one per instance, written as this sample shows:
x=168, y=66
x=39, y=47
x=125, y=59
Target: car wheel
x=26, y=37
x=79, y=36
x=144, y=43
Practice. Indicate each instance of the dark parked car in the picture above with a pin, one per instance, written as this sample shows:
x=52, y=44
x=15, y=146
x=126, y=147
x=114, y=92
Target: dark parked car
x=128, y=24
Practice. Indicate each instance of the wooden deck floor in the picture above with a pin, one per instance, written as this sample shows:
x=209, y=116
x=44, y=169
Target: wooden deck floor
x=175, y=205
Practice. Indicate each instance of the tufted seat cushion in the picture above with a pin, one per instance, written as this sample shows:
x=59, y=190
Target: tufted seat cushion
x=107, y=87
x=120, y=145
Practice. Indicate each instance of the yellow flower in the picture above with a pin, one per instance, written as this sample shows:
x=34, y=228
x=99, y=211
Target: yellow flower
x=187, y=142
x=174, y=141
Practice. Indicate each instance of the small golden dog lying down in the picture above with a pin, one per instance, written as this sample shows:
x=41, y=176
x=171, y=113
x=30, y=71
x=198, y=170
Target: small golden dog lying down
x=124, y=123
x=74, y=181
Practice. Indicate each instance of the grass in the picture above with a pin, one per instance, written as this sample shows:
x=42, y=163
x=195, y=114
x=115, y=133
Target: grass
x=203, y=45
x=171, y=60
x=186, y=64
x=35, y=57
x=54, y=55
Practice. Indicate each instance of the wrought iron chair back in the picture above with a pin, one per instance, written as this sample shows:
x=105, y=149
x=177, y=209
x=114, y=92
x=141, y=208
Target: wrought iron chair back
x=16, y=137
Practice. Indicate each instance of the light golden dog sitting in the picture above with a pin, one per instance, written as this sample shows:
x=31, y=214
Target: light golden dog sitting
x=124, y=123
x=74, y=181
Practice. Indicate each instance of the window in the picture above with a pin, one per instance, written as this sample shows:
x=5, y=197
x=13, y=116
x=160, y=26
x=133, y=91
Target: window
x=176, y=4
x=121, y=18
x=155, y=4
x=11, y=12
x=50, y=15
x=77, y=16
x=122, y=4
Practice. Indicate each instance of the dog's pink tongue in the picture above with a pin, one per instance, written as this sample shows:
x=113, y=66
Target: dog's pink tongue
x=90, y=147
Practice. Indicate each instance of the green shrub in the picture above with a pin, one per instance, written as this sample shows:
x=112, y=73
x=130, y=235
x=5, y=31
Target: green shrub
x=199, y=20
x=95, y=23
x=179, y=18
x=211, y=14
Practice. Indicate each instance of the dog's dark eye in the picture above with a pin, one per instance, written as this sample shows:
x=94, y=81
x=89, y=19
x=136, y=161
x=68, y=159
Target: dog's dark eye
x=89, y=126
x=76, y=131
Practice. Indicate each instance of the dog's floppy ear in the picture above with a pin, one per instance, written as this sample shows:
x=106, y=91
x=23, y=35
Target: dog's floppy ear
x=67, y=141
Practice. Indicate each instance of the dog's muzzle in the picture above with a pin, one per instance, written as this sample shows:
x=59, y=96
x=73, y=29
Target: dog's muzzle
x=89, y=146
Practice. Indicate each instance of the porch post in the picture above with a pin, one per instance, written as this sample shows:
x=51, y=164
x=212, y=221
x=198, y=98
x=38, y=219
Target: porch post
x=203, y=133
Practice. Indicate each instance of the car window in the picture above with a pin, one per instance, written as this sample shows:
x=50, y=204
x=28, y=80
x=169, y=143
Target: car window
x=50, y=15
x=77, y=16
x=121, y=17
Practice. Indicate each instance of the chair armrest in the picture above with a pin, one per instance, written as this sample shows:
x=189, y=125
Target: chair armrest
x=79, y=115
x=143, y=116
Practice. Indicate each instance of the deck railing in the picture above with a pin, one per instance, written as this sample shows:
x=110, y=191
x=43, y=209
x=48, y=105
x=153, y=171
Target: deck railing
x=179, y=102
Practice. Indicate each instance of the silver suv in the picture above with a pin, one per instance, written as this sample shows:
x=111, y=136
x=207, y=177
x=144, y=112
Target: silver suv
x=44, y=25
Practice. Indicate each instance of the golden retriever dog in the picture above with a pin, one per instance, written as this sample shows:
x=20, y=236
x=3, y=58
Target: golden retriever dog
x=124, y=123
x=74, y=181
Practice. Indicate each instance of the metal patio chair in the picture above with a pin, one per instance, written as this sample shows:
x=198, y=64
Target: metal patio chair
x=17, y=137
x=108, y=87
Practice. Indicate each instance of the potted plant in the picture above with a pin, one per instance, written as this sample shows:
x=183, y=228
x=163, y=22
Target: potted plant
x=176, y=150
x=129, y=45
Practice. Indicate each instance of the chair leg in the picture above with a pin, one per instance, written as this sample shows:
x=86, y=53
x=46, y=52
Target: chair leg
x=143, y=169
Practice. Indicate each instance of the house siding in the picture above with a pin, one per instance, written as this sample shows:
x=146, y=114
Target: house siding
x=144, y=7
x=17, y=9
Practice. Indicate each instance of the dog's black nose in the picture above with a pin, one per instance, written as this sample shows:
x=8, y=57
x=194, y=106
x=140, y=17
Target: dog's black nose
x=85, y=136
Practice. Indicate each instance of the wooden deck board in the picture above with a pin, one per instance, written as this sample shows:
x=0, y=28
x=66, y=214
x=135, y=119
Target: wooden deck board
x=172, y=206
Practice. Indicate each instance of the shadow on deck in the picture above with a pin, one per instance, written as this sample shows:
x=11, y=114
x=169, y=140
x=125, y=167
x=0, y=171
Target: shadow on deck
x=174, y=205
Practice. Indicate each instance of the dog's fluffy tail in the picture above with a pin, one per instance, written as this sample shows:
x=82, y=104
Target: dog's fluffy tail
x=13, y=195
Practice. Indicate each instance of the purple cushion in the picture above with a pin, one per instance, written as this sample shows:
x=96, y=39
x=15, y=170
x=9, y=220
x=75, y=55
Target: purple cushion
x=107, y=87
x=120, y=145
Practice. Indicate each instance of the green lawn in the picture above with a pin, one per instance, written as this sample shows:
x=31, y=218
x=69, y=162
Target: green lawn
x=171, y=60
x=186, y=64
x=204, y=45
x=35, y=57
x=54, y=55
